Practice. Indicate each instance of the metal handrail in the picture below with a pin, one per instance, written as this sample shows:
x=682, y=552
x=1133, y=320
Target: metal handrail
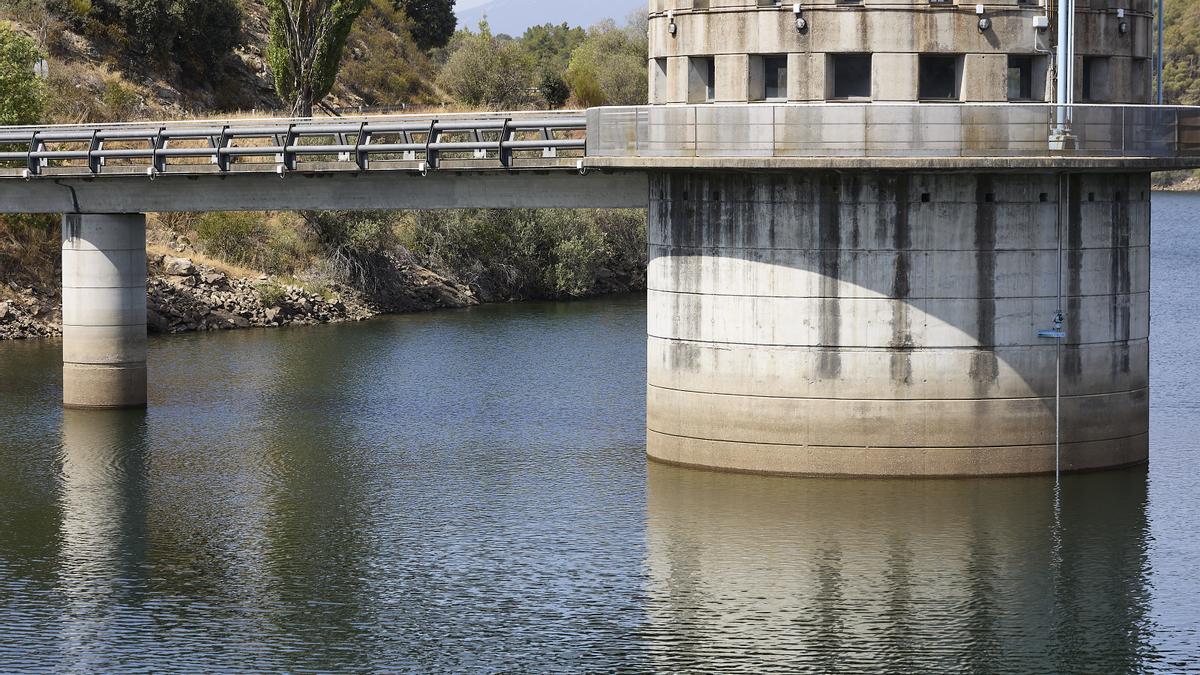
x=490, y=140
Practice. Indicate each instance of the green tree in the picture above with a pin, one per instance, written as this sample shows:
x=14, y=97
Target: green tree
x=551, y=46
x=1181, y=62
x=434, y=21
x=307, y=39
x=195, y=34
x=609, y=68
x=21, y=91
x=149, y=25
x=485, y=71
x=206, y=31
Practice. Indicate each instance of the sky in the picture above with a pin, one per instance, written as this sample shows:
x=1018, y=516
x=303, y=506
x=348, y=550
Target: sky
x=514, y=16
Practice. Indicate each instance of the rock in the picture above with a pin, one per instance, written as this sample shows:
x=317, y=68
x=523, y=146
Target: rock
x=4, y=311
x=156, y=322
x=214, y=278
x=223, y=319
x=180, y=267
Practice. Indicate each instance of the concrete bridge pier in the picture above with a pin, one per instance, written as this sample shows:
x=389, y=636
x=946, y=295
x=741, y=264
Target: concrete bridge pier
x=104, y=310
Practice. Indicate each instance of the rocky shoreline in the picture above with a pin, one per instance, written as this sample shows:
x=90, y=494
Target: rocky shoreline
x=185, y=296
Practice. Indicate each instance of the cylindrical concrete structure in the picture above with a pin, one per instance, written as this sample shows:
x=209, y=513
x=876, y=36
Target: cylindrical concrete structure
x=104, y=311
x=875, y=323
x=900, y=50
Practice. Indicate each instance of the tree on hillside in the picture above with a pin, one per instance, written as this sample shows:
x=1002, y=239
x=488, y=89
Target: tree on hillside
x=433, y=21
x=551, y=47
x=1181, y=63
x=609, y=68
x=195, y=35
x=307, y=39
x=484, y=71
x=21, y=94
x=383, y=65
x=206, y=32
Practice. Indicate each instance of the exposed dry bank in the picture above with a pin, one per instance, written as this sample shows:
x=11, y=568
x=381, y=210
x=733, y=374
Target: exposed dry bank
x=222, y=271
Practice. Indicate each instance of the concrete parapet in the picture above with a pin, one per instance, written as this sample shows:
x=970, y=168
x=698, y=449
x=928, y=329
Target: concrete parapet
x=104, y=311
x=874, y=323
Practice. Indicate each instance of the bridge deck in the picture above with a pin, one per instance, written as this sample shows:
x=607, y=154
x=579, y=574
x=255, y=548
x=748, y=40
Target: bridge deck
x=536, y=159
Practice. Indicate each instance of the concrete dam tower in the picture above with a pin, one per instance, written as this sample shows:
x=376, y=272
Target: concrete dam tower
x=888, y=316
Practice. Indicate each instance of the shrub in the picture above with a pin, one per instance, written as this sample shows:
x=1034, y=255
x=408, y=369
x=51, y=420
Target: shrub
x=250, y=240
x=207, y=31
x=485, y=71
x=271, y=294
x=354, y=247
x=233, y=237
x=21, y=91
x=609, y=67
x=29, y=250
x=383, y=65
x=525, y=253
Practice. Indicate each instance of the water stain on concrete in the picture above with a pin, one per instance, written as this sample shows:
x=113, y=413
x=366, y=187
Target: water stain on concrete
x=1120, y=281
x=829, y=365
x=902, y=339
x=1072, y=357
x=984, y=366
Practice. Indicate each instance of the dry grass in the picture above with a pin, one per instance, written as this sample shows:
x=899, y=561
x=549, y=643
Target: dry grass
x=202, y=259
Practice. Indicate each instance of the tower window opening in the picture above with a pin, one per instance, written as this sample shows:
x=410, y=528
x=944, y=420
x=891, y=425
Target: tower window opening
x=1095, y=79
x=702, y=79
x=938, y=77
x=1020, y=78
x=769, y=82
x=850, y=75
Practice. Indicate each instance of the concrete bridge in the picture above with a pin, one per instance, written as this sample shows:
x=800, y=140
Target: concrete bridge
x=871, y=252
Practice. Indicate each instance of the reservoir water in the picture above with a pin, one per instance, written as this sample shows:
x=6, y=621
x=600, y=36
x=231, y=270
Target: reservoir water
x=467, y=491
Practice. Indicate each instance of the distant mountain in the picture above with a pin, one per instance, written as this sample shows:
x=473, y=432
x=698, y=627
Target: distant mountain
x=514, y=16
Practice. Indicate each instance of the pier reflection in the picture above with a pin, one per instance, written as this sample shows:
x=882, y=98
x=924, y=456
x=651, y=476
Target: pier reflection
x=103, y=528
x=901, y=576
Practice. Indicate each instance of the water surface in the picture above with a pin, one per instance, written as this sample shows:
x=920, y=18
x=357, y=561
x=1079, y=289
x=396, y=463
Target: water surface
x=468, y=491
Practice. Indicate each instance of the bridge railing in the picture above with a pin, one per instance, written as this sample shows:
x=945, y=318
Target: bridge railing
x=512, y=141
x=891, y=130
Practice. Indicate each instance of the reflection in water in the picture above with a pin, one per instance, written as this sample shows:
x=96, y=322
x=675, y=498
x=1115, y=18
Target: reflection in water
x=897, y=575
x=103, y=527
x=467, y=492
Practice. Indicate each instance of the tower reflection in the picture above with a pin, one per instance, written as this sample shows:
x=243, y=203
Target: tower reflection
x=898, y=575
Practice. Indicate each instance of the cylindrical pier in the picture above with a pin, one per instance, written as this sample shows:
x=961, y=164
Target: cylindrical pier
x=104, y=311
x=875, y=323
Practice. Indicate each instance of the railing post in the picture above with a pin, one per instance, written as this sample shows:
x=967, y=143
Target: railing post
x=158, y=142
x=289, y=155
x=431, y=155
x=505, y=153
x=361, y=156
x=223, y=159
x=35, y=163
x=93, y=161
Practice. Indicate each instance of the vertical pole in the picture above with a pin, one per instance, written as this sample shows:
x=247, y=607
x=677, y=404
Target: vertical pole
x=1064, y=201
x=1160, y=52
x=1070, y=100
x=1063, y=67
x=1057, y=411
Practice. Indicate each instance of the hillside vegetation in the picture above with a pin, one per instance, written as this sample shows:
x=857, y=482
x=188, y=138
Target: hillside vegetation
x=125, y=60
